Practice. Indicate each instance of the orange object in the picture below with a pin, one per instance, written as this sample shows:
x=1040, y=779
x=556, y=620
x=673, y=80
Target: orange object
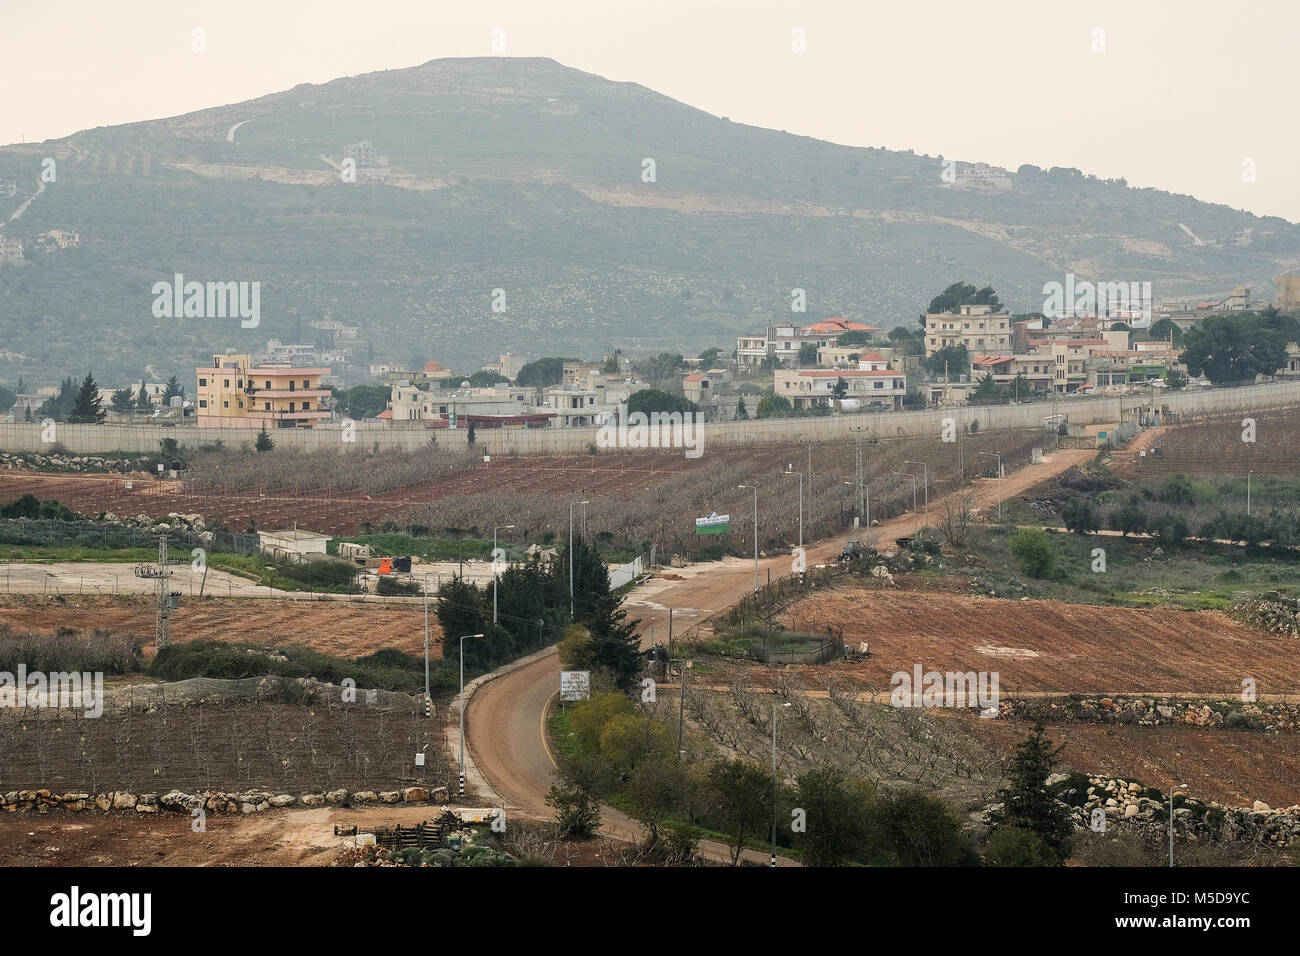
x=385, y=566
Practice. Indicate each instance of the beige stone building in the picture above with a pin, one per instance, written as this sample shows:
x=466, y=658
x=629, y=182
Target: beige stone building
x=977, y=327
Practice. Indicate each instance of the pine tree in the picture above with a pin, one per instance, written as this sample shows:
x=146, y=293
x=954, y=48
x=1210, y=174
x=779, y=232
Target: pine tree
x=264, y=441
x=142, y=402
x=1026, y=802
x=87, y=409
x=173, y=389
x=123, y=400
x=742, y=413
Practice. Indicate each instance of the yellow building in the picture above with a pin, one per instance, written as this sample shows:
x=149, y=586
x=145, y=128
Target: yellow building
x=233, y=393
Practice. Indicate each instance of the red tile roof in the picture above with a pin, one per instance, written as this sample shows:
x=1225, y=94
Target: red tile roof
x=847, y=373
x=839, y=325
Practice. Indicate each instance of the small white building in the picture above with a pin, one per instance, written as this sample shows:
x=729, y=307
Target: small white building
x=293, y=545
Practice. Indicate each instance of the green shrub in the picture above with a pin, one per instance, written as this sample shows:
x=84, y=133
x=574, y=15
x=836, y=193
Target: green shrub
x=1012, y=846
x=1034, y=552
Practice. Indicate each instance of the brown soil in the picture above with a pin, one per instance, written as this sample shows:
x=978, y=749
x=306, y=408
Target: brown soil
x=343, y=630
x=1235, y=768
x=1052, y=646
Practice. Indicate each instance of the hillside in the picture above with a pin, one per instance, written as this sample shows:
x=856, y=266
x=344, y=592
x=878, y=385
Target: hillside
x=525, y=175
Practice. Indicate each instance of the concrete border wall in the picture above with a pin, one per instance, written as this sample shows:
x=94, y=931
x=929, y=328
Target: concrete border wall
x=103, y=439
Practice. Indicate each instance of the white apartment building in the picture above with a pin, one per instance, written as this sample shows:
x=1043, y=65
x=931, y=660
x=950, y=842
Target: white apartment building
x=806, y=388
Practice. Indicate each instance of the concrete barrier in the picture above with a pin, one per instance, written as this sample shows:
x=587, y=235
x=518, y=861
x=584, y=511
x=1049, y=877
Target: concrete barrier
x=105, y=439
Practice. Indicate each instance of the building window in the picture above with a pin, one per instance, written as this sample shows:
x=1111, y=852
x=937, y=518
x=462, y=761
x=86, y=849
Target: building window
x=241, y=404
x=267, y=407
x=268, y=385
x=306, y=406
x=227, y=383
x=225, y=404
x=203, y=403
x=203, y=383
x=306, y=384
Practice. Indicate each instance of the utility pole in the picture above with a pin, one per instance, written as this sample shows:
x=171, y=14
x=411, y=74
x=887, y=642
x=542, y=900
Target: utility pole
x=681, y=708
x=986, y=454
x=163, y=636
x=426, y=649
x=754, y=488
x=496, y=576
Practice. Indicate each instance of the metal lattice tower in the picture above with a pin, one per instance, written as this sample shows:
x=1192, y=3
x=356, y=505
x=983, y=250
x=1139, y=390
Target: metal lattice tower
x=161, y=573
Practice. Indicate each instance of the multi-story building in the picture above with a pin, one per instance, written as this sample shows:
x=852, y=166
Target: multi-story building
x=1288, y=293
x=702, y=387
x=807, y=388
x=977, y=327
x=575, y=371
x=782, y=341
x=235, y=393
x=59, y=239
x=492, y=407
x=11, y=250
x=364, y=154
x=577, y=406
x=509, y=365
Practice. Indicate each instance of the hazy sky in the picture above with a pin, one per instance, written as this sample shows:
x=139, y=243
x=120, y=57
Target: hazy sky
x=1185, y=95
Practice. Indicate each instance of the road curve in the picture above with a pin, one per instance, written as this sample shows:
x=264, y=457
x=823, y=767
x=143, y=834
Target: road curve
x=506, y=735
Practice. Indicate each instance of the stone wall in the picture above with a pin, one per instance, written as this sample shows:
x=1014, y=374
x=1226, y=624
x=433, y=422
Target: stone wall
x=211, y=801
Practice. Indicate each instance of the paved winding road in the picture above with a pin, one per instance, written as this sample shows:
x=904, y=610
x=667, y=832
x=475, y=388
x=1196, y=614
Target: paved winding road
x=506, y=720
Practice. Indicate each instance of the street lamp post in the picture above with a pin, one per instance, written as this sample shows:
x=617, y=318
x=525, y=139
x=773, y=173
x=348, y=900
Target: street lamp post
x=786, y=704
x=916, y=525
x=571, y=504
x=495, y=574
x=754, y=488
x=462, y=710
x=799, y=474
x=1180, y=786
x=987, y=454
x=426, y=646
x=925, y=472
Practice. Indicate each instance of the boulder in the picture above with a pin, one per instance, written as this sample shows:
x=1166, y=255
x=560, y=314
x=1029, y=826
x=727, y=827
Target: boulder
x=103, y=802
x=390, y=796
x=337, y=797
x=123, y=800
x=415, y=795
x=364, y=796
x=312, y=799
x=282, y=800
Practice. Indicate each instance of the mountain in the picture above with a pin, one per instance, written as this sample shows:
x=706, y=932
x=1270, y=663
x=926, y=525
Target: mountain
x=527, y=176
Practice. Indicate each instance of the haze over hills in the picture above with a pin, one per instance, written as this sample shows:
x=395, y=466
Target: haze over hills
x=526, y=176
